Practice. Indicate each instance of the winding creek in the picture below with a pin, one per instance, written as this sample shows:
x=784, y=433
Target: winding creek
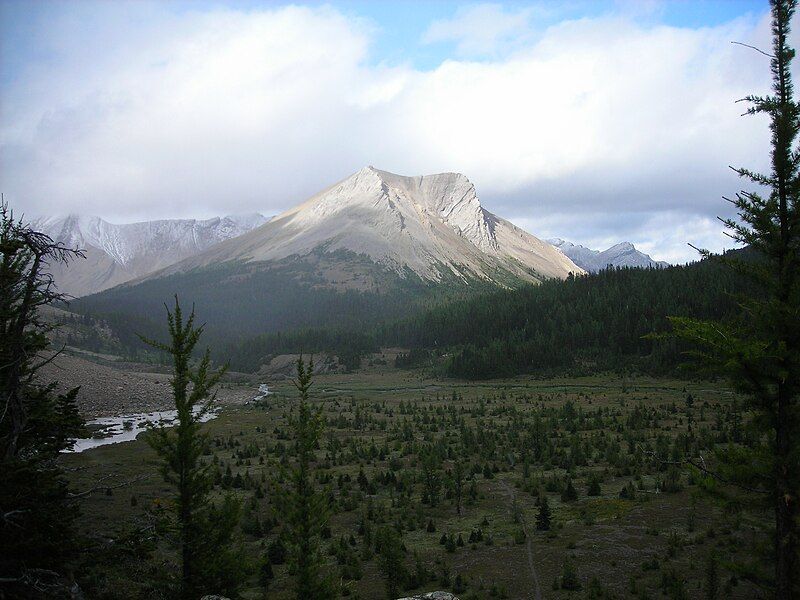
x=125, y=428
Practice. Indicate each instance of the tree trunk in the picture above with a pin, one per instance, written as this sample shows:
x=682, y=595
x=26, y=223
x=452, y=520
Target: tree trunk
x=785, y=506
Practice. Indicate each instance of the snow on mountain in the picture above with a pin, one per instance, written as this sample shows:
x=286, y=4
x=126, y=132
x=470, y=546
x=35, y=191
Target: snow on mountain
x=623, y=254
x=119, y=253
x=430, y=224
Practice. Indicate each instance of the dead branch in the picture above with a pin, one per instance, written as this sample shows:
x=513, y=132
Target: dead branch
x=754, y=48
x=100, y=487
x=700, y=465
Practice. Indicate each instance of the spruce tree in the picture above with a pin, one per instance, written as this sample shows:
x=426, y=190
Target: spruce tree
x=570, y=494
x=569, y=578
x=37, y=510
x=391, y=560
x=456, y=480
x=543, y=516
x=304, y=508
x=711, y=583
x=760, y=352
x=431, y=476
x=209, y=561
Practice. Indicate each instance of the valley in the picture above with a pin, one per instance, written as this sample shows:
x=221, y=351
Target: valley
x=399, y=448
x=286, y=311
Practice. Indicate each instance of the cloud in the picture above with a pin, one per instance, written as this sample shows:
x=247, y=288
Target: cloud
x=482, y=29
x=599, y=129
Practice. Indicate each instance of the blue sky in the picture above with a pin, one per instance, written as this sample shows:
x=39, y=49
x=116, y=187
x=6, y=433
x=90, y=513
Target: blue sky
x=595, y=121
x=402, y=24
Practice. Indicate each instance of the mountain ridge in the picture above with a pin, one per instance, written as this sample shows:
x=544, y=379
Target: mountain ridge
x=370, y=248
x=622, y=254
x=428, y=224
x=117, y=253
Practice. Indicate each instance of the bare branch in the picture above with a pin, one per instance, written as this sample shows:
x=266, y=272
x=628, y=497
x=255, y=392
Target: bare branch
x=98, y=487
x=701, y=466
x=754, y=48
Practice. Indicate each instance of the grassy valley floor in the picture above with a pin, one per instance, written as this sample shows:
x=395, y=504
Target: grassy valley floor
x=390, y=449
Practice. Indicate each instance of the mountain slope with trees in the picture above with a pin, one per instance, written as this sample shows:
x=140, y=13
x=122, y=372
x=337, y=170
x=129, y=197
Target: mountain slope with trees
x=585, y=324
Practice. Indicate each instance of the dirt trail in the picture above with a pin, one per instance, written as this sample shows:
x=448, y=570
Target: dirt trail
x=537, y=590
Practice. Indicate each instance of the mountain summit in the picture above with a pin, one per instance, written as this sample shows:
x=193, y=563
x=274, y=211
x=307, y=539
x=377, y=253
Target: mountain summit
x=431, y=225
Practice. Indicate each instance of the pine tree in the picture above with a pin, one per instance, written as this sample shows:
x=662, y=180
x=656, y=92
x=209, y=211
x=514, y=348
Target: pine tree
x=391, y=560
x=543, y=516
x=711, y=584
x=431, y=476
x=209, y=563
x=305, y=509
x=569, y=578
x=570, y=494
x=760, y=353
x=456, y=479
x=37, y=510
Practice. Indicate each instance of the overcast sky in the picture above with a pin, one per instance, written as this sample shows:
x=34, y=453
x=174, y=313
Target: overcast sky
x=592, y=121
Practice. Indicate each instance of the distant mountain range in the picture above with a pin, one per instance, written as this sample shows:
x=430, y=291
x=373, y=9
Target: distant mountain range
x=431, y=227
x=374, y=249
x=352, y=235
x=623, y=254
x=118, y=253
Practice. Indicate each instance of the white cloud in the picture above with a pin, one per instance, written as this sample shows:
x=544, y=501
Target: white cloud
x=481, y=29
x=606, y=128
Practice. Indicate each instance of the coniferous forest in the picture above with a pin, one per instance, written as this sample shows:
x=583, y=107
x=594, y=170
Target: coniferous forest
x=608, y=321
x=604, y=322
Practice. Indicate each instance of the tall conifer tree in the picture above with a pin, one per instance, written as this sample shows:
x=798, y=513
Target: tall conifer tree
x=37, y=510
x=760, y=353
x=305, y=509
x=209, y=563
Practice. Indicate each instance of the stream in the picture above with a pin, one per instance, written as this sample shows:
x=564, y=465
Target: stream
x=125, y=428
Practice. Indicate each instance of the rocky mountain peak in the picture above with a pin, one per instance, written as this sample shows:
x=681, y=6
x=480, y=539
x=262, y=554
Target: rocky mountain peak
x=450, y=197
x=623, y=254
x=622, y=247
x=429, y=224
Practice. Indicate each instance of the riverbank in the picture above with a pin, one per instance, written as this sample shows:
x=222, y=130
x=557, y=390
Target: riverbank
x=108, y=391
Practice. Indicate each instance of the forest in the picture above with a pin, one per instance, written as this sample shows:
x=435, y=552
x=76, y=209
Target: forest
x=609, y=321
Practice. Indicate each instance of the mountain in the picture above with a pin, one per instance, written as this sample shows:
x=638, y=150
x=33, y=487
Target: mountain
x=371, y=248
x=432, y=226
x=623, y=254
x=118, y=253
